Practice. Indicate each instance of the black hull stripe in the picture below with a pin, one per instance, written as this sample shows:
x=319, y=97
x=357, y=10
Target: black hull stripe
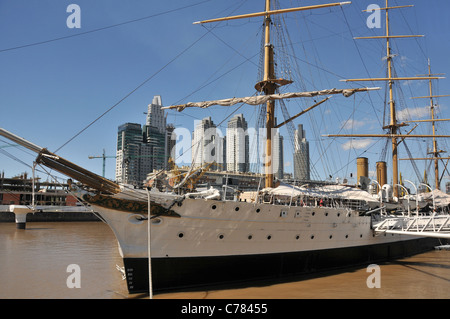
x=170, y=274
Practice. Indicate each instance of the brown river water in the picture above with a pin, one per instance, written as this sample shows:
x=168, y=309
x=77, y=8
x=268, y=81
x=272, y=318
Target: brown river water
x=35, y=263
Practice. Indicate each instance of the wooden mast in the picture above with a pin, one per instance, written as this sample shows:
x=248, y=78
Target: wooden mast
x=393, y=125
x=269, y=88
x=270, y=83
x=433, y=120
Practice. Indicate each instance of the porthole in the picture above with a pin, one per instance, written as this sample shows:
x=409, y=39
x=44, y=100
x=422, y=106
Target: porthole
x=360, y=236
x=258, y=210
x=213, y=207
x=269, y=237
x=346, y=236
x=297, y=214
x=331, y=236
x=250, y=237
x=313, y=213
x=221, y=236
x=156, y=221
x=180, y=235
x=236, y=209
x=326, y=214
x=312, y=236
x=179, y=204
x=136, y=219
x=338, y=214
x=297, y=237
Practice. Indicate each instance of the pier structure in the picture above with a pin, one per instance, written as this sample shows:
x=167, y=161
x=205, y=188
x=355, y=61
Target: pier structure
x=46, y=213
x=20, y=213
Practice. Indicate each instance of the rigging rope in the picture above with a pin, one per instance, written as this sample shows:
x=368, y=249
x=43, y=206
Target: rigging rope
x=134, y=90
x=101, y=29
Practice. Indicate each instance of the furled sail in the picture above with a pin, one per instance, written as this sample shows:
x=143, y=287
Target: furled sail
x=261, y=99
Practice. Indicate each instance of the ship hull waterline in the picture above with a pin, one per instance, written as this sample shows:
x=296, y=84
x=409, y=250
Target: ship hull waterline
x=215, y=243
x=172, y=274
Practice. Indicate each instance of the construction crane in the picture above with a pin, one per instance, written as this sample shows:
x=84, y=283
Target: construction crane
x=104, y=160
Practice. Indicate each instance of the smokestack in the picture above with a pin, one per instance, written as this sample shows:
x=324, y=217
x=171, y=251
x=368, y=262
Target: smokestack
x=362, y=167
x=381, y=173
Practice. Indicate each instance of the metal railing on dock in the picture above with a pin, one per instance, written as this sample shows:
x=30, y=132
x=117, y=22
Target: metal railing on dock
x=437, y=226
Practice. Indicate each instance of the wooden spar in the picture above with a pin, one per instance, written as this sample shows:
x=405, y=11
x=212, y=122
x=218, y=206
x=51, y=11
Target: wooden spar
x=423, y=158
x=76, y=172
x=21, y=141
x=410, y=131
x=302, y=112
x=435, y=120
x=427, y=97
x=396, y=7
x=387, y=135
x=393, y=79
x=262, y=99
x=64, y=166
x=269, y=12
x=389, y=37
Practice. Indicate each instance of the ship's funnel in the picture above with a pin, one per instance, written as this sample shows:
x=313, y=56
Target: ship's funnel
x=362, y=167
x=381, y=173
x=362, y=172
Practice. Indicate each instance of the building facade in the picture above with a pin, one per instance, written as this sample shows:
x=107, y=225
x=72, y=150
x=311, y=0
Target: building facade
x=130, y=149
x=278, y=155
x=141, y=150
x=301, y=155
x=207, y=145
x=237, y=144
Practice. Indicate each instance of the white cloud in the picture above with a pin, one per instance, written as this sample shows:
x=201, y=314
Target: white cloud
x=352, y=124
x=413, y=113
x=357, y=144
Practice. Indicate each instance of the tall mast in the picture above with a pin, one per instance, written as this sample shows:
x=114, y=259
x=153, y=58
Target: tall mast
x=436, y=152
x=269, y=88
x=270, y=83
x=393, y=125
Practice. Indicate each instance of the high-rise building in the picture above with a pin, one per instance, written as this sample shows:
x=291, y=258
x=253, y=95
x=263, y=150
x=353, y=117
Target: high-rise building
x=141, y=150
x=131, y=149
x=237, y=144
x=301, y=155
x=207, y=144
x=155, y=115
x=155, y=135
x=278, y=155
x=170, y=142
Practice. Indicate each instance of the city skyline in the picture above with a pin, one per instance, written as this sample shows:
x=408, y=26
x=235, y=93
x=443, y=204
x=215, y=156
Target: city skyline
x=141, y=149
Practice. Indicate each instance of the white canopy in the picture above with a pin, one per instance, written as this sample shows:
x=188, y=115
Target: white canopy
x=441, y=199
x=330, y=191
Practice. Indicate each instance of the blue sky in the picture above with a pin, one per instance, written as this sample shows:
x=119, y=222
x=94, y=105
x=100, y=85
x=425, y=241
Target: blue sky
x=50, y=91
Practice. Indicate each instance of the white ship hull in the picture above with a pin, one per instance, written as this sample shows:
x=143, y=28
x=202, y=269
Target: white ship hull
x=224, y=241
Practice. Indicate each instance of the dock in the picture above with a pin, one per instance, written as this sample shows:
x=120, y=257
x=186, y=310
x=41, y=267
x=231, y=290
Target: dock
x=21, y=214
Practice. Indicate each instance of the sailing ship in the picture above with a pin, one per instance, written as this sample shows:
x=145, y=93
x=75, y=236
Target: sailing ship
x=169, y=240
